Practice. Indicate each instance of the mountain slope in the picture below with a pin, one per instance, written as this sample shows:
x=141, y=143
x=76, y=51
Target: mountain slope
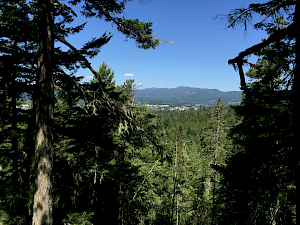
x=191, y=94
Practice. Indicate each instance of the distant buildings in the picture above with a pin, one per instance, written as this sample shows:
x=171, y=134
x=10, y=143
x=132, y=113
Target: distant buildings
x=167, y=107
x=24, y=106
x=158, y=107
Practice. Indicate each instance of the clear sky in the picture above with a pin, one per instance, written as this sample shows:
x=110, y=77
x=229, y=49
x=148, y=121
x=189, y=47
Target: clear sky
x=197, y=58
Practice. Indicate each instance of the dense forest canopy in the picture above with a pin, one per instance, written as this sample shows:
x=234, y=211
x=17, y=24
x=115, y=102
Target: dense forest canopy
x=87, y=153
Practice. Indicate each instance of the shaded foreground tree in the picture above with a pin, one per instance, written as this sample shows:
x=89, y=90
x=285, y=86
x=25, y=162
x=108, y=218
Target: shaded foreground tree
x=49, y=61
x=18, y=50
x=265, y=148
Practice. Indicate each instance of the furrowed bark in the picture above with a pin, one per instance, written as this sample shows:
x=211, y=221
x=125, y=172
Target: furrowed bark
x=296, y=118
x=42, y=206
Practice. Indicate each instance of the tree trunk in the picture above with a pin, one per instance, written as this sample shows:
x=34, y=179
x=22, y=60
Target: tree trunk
x=120, y=193
x=296, y=118
x=42, y=206
x=18, y=174
x=13, y=119
x=120, y=217
x=175, y=180
x=28, y=160
x=274, y=211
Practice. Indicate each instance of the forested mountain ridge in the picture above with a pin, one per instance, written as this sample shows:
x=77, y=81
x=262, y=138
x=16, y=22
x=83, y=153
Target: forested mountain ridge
x=181, y=95
x=190, y=94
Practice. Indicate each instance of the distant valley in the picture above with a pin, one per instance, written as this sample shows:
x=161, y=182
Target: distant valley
x=187, y=95
x=179, y=97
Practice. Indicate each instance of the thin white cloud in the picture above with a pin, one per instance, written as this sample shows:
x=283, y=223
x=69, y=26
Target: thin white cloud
x=160, y=85
x=128, y=75
x=88, y=77
x=139, y=83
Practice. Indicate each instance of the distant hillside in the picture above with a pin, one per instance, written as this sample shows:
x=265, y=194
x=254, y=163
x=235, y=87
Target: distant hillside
x=189, y=94
x=180, y=96
x=152, y=101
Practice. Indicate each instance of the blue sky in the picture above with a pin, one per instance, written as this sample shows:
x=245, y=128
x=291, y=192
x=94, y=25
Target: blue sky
x=197, y=58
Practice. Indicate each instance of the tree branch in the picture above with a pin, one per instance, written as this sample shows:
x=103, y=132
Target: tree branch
x=290, y=30
x=78, y=86
x=87, y=63
x=145, y=179
x=123, y=113
x=65, y=7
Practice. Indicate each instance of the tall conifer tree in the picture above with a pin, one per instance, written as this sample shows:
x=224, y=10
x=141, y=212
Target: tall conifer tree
x=49, y=73
x=263, y=146
x=42, y=211
x=269, y=10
